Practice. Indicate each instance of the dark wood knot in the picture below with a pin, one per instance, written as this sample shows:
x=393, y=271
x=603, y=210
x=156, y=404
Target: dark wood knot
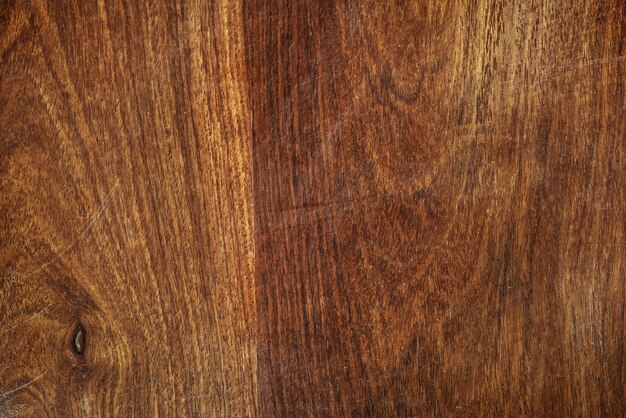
x=78, y=342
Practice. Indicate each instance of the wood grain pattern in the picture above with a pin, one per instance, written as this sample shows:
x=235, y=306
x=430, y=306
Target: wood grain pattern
x=126, y=207
x=312, y=208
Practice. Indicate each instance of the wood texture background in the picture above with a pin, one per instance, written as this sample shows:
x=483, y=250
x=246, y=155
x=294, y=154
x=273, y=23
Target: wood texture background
x=312, y=208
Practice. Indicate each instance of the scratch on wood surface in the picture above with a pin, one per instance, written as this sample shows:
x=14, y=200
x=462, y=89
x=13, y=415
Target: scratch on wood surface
x=72, y=241
x=17, y=389
x=29, y=317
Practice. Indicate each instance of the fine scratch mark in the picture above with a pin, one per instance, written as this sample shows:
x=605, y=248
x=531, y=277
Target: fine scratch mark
x=72, y=241
x=21, y=322
x=11, y=392
x=310, y=80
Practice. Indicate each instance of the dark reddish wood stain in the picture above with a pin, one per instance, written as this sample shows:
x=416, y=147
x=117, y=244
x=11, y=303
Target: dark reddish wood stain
x=312, y=208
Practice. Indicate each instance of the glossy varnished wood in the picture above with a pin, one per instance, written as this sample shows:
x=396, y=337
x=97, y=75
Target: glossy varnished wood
x=312, y=208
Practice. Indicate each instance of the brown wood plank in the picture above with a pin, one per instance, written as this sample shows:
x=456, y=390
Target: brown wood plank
x=126, y=208
x=312, y=208
x=440, y=194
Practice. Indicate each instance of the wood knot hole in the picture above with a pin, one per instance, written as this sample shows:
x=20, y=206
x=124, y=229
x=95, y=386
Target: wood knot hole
x=78, y=342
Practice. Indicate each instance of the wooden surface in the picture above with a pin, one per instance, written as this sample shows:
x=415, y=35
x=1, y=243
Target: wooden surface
x=312, y=208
